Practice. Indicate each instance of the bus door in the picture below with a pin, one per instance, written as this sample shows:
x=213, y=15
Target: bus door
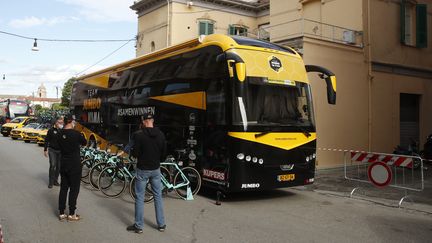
x=215, y=168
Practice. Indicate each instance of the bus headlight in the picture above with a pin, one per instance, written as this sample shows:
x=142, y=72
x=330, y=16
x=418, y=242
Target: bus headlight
x=240, y=156
x=314, y=155
x=261, y=161
x=307, y=158
x=254, y=159
x=248, y=158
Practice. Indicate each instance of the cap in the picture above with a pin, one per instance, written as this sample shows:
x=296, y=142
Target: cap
x=146, y=116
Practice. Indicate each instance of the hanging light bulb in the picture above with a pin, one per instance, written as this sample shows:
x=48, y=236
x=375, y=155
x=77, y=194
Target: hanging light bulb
x=35, y=47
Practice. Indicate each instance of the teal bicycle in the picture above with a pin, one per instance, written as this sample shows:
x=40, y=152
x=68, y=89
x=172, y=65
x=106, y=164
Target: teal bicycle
x=185, y=179
x=114, y=177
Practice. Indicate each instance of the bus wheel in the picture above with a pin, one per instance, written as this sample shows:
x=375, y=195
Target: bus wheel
x=92, y=142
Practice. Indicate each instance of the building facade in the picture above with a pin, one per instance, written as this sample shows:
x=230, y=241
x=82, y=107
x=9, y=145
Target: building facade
x=380, y=50
x=163, y=23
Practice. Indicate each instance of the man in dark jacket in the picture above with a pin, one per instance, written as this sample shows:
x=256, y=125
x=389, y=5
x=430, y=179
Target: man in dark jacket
x=52, y=150
x=70, y=168
x=149, y=148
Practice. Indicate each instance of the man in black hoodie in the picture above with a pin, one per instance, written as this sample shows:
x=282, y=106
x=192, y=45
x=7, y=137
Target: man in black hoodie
x=149, y=148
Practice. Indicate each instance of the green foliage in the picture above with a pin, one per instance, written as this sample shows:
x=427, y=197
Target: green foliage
x=66, y=92
x=46, y=115
x=37, y=108
x=58, y=107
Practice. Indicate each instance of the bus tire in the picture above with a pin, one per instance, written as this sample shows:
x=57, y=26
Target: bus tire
x=92, y=142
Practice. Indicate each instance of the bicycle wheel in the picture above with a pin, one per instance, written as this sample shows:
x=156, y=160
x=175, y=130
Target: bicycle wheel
x=167, y=175
x=194, y=181
x=86, y=166
x=94, y=174
x=148, y=196
x=111, y=182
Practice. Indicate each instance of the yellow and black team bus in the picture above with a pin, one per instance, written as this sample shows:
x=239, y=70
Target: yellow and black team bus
x=241, y=109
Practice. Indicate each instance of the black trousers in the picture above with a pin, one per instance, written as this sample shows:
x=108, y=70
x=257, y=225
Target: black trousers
x=70, y=184
x=54, y=168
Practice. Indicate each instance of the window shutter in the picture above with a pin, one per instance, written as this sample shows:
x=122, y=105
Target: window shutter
x=210, y=28
x=421, y=25
x=202, y=28
x=402, y=21
x=231, y=30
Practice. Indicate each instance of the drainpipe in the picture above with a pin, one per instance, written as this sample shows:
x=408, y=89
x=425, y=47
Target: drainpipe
x=168, y=23
x=369, y=75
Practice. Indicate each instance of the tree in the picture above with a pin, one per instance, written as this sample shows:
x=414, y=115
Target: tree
x=37, y=108
x=58, y=106
x=66, y=92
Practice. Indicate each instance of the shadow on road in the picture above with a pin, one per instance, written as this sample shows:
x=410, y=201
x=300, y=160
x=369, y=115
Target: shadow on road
x=51, y=197
x=211, y=194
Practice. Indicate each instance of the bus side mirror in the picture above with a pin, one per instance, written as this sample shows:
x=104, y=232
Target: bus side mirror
x=330, y=80
x=239, y=70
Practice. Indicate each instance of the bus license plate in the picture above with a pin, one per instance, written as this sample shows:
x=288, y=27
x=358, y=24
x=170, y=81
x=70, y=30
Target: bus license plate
x=287, y=177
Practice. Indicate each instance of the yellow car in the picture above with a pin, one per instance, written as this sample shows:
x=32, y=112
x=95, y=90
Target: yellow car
x=41, y=137
x=17, y=122
x=18, y=133
x=31, y=135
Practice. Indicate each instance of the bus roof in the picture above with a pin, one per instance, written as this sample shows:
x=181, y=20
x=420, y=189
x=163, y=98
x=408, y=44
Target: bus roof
x=223, y=41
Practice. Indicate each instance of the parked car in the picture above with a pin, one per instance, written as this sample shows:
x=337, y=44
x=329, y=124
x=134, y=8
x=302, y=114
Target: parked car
x=41, y=137
x=18, y=133
x=17, y=122
x=31, y=135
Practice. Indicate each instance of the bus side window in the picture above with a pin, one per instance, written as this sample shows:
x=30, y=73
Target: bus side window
x=216, y=97
x=176, y=88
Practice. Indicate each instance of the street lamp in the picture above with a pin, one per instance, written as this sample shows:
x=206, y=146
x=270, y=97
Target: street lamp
x=35, y=47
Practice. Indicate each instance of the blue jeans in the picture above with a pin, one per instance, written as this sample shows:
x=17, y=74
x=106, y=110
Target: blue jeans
x=142, y=177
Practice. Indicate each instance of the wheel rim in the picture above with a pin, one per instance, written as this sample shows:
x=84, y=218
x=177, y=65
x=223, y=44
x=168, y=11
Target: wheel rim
x=194, y=179
x=111, y=183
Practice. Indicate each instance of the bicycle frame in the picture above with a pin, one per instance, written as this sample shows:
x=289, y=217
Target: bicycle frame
x=168, y=184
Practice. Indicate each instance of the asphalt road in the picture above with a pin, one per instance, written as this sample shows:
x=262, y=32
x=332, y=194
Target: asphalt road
x=28, y=213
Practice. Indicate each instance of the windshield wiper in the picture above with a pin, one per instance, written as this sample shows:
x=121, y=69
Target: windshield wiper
x=304, y=131
x=261, y=134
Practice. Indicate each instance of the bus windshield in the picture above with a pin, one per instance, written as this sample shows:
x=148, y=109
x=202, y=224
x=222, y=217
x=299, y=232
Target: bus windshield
x=274, y=103
x=18, y=108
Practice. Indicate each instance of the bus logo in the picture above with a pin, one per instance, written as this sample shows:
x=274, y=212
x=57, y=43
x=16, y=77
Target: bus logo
x=275, y=63
x=251, y=185
x=214, y=174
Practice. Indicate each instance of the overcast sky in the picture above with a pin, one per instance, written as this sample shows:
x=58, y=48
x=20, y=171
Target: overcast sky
x=56, y=62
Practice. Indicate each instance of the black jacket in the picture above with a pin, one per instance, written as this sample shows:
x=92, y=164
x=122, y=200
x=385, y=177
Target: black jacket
x=51, y=139
x=149, y=148
x=70, y=141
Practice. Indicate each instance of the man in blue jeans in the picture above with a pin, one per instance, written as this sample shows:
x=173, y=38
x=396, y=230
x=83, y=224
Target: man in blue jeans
x=149, y=147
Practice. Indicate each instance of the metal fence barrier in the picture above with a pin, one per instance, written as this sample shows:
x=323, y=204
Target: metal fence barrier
x=398, y=171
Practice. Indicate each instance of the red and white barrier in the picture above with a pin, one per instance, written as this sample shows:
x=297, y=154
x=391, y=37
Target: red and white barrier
x=1, y=235
x=392, y=160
